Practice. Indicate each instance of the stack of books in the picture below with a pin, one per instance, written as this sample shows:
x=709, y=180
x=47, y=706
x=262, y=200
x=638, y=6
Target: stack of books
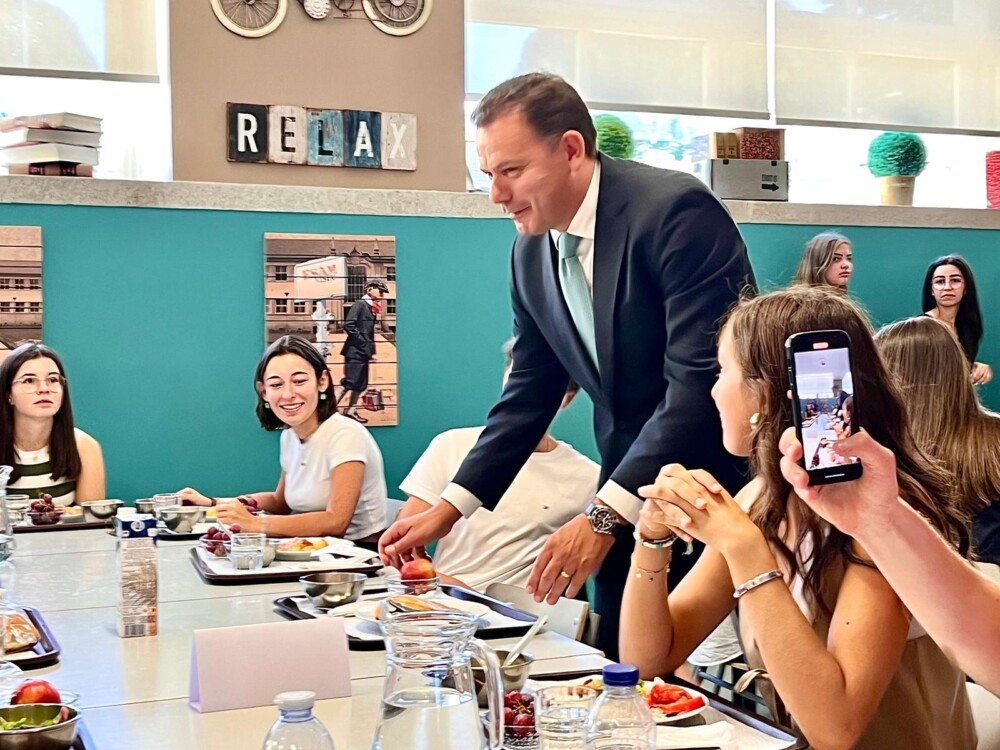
x=55, y=144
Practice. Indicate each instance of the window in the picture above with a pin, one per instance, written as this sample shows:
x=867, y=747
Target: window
x=4, y=283
x=19, y=283
x=94, y=57
x=19, y=307
x=34, y=283
x=390, y=307
x=34, y=307
x=357, y=277
x=390, y=273
x=299, y=307
x=281, y=273
x=281, y=306
x=5, y=307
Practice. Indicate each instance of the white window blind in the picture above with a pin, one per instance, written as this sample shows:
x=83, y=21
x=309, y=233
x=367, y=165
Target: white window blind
x=929, y=65
x=684, y=56
x=106, y=39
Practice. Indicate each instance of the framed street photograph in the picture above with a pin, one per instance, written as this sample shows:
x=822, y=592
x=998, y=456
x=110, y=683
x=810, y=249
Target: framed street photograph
x=20, y=286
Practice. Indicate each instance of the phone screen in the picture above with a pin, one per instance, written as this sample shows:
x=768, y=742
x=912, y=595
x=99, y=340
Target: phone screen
x=824, y=386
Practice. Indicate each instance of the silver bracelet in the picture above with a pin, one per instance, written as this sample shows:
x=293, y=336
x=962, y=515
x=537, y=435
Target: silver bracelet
x=756, y=581
x=664, y=543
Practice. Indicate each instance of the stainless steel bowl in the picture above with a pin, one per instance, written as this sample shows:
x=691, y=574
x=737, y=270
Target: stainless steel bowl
x=513, y=676
x=144, y=505
x=56, y=737
x=181, y=519
x=327, y=590
x=100, y=510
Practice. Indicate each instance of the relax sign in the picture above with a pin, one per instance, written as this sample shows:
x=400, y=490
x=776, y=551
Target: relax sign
x=321, y=137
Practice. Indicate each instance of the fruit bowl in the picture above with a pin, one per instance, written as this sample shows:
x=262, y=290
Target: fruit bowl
x=144, y=505
x=56, y=737
x=44, y=517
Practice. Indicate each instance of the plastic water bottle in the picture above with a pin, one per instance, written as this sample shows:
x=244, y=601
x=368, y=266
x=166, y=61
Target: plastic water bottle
x=296, y=727
x=620, y=719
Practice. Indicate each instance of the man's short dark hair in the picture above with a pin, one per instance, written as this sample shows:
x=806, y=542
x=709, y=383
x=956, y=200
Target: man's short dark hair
x=549, y=105
x=508, y=364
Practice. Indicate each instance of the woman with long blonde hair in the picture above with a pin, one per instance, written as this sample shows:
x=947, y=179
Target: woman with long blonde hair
x=846, y=664
x=828, y=260
x=948, y=421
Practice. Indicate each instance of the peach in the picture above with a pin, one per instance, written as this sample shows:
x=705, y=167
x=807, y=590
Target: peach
x=420, y=569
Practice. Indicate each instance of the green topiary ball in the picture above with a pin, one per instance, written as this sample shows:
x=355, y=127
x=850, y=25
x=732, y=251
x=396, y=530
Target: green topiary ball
x=892, y=154
x=614, y=137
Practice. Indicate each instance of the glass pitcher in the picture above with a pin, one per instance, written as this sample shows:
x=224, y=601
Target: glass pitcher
x=429, y=698
x=7, y=543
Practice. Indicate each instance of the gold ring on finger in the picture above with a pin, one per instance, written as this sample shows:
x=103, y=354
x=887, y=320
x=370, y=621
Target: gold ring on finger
x=565, y=575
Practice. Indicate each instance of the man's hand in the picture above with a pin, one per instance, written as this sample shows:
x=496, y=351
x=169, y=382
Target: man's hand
x=406, y=539
x=570, y=556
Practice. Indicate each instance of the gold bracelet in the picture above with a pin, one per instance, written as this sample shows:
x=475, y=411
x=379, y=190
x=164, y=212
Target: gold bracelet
x=650, y=573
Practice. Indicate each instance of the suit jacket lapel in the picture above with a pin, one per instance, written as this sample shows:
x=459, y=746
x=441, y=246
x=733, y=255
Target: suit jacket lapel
x=610, y=241
x=564, y=325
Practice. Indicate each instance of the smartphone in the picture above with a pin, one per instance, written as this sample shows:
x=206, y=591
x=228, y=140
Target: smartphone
x=824, y=403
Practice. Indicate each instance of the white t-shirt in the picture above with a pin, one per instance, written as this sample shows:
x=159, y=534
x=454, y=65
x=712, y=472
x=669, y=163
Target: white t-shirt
x=307, y=468
x=502, y=544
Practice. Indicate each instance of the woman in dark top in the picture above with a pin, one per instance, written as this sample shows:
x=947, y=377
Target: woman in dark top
x=949, y=296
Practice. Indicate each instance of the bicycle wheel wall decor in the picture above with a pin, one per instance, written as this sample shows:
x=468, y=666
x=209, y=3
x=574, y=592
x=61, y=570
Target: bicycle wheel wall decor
x=398, y=17
x=250, y=18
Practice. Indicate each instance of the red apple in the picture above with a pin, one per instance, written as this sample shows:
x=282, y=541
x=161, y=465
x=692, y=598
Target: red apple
x=417, y=570
x=36, y=691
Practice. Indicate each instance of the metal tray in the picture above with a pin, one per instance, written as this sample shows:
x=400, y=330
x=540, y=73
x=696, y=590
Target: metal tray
x=723, y=706
x=265, y=576
x=43, y=653
x=71, y=526
x=83, y=739
x=289, y=607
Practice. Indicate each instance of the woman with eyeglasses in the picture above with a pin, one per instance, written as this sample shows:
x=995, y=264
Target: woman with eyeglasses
x=949, y=296
x=37, y=437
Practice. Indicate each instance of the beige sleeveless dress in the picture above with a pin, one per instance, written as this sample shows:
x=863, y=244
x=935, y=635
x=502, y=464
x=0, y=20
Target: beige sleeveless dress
x=925, y=706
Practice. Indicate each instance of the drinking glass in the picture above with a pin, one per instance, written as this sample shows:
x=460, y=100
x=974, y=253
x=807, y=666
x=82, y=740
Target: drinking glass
x=246, y=551
x=164, y=500
x=561, y=716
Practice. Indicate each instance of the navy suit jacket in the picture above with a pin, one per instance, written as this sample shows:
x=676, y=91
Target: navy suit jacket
x=668, y=264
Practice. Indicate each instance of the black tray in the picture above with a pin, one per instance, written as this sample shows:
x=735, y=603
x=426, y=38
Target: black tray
x=172, y=536
x=289, y=607
x=211, y=577
x=45, y=652
x=723, y=706
x=74, y=526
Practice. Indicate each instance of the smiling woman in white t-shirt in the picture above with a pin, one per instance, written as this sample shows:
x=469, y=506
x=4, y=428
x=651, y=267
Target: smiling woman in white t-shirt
x=332, y=482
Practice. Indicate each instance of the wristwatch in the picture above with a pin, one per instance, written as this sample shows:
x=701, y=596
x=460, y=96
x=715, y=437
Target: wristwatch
x=603, y=520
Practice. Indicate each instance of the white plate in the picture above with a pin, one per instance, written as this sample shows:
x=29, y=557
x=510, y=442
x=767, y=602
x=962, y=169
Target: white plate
x=368, y=610
x=662, y=718
x=306, y=555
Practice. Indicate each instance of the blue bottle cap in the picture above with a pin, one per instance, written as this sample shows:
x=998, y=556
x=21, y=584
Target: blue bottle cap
x=621, y=675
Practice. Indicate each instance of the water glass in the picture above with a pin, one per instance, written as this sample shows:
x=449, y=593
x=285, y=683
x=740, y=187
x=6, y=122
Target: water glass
x=561, y=716
x=165, y=500
x=246, y=551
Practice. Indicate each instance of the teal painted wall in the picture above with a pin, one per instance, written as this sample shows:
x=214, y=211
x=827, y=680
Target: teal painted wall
x=159, y=316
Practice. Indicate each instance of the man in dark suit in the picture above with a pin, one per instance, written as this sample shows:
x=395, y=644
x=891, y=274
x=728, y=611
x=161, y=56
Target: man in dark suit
x=620, y=275
x=359, y=348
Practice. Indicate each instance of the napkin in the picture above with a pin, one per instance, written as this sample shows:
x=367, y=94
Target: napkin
x=718, y=734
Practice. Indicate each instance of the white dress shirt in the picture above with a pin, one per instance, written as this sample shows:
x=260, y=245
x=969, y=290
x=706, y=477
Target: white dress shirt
x=584, y=226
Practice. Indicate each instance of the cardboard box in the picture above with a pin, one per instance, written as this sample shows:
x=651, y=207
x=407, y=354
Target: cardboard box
x=761, y=143
x=745, y=179
x=715, y=146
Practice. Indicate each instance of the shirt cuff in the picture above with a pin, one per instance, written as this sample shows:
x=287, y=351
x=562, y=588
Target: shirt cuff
x=620, y=500
x=465, y=501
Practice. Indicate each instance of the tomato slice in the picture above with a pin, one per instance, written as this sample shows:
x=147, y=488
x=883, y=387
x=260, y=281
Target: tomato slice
x=664, y=693
x=682, y=706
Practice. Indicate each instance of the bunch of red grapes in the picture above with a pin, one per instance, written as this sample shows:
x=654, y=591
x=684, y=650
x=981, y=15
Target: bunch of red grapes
x=251, y=505
x=44, y=505
x=519, y=714
x=214, y=540
x=44, y=511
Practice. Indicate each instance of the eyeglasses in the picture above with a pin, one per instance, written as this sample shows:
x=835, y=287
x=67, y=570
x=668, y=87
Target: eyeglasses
x=943, y=283
x=33, y=383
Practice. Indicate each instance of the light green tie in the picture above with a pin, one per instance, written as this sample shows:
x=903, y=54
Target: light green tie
x=576, y=292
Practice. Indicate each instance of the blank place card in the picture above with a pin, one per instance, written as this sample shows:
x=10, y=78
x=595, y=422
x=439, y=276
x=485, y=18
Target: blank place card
x=247, y=665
